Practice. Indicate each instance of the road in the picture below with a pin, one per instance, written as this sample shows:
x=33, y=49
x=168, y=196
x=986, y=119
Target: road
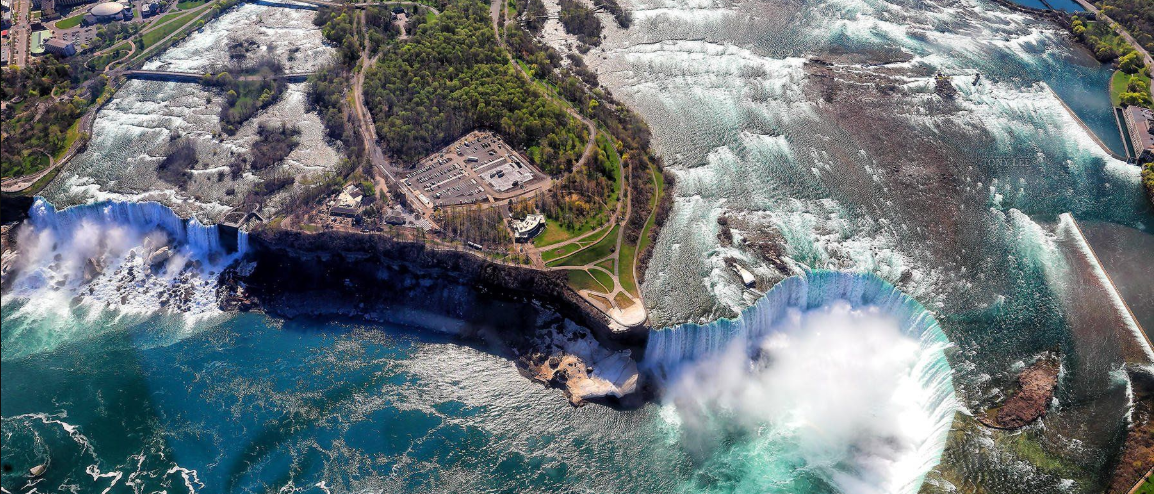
x=368, y=131
x=1124, y=34
x=20, y=32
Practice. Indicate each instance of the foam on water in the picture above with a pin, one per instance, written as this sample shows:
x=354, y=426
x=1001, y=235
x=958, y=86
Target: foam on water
x=132, y=260
x=132, y=133
x=287, y=33
x=832, y=375
x=737, y=116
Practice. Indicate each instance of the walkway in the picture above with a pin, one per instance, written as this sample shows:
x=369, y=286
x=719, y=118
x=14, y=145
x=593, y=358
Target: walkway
x=166, y=75
x=634, y=314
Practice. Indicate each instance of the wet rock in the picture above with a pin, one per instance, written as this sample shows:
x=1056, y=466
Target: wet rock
x=944, y=87
x=93, y=267
x=161, y=255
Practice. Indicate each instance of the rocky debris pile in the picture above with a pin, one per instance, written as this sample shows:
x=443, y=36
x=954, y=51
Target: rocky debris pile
x=944, y=87
x=8, y=254
x=568, y=357
x=231, y=294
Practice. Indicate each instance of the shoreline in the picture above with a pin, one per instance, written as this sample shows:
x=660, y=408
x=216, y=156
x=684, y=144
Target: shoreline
x=289, y=274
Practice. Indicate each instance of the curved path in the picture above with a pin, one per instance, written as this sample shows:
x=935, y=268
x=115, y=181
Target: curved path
x=495, y=10
x=635, y=313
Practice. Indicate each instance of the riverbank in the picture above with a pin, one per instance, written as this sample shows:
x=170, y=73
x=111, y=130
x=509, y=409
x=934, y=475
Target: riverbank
x=520, y=313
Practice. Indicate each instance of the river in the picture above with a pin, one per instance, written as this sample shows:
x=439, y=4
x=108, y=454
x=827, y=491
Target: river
x=818, y=125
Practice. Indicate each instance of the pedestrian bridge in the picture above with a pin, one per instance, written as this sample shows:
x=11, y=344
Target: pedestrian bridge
x=165, y=75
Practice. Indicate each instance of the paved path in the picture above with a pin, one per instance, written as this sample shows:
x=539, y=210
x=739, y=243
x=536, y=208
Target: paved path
x=495, y=13
x=368, y=130
x=196, y=76
x=636, y=313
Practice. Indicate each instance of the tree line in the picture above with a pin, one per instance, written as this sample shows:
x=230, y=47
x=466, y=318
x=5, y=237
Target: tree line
x=581, y=22
x=631, y=135
x=451, y=77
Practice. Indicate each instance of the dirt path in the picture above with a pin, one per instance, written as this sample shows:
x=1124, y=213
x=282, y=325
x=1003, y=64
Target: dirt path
x=495, y=10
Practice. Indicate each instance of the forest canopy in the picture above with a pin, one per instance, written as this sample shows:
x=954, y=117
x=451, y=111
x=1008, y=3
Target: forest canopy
x=451, y=77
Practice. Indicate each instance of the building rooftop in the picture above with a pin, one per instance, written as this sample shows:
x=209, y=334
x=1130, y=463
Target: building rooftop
x=528, y=227
x=107, y=9
x=1140, y=122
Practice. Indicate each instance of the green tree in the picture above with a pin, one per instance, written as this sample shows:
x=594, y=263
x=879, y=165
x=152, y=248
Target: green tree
x=1131, y=63
x=1137, y=86
x=1135, y=99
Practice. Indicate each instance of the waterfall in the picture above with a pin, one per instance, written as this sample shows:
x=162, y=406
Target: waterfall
x=843, y=364
x=202, y=239
x=116, y=262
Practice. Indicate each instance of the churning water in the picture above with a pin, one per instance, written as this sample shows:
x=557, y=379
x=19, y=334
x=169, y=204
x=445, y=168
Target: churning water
x=133, y=132
x=931, y=143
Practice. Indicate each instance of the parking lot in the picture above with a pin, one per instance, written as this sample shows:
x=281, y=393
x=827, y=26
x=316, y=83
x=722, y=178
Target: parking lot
x=478, y=167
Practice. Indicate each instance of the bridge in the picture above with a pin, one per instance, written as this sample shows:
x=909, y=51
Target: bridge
x=165, y=75
x=313, y=4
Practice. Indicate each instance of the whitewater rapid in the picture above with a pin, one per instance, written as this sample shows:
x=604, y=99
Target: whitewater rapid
x=134, y=131
x=930, y=144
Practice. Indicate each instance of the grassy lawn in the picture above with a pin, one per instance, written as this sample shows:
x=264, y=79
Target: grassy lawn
x=623, y=301
x=615, y=162
x=168, y=27
x=605, y=279
x=608, y=264
x=98, y=63
x=1147, y=487
x=558, y=252
x=70, y=22
x=190, y=4
x=1119, y=82
x=596, y=252
x=580, y=279
x=629, y=252
x=167, y=17
x=555, y=233
x=69, y=138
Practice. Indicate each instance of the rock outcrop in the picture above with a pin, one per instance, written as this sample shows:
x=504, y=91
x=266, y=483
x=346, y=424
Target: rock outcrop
x=569, y=359
x=1036, y=386
x=1138, y=449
